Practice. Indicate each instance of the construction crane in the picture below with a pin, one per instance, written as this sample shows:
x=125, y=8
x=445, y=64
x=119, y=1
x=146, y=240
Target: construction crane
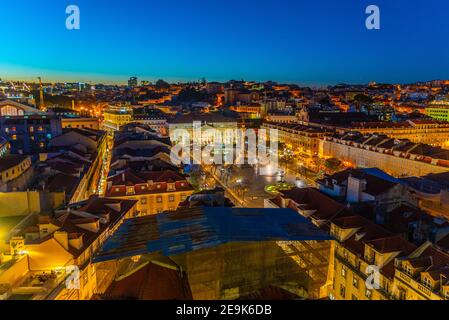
x=26, y=86
x=41, y=95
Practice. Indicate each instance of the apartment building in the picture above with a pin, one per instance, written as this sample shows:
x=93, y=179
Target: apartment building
x=155, y=191
x=431, y=132
x=51, y=258
x=399, y=158
x=298, y=137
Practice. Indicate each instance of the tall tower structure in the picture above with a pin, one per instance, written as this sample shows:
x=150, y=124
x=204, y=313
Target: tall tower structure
x=41, y=96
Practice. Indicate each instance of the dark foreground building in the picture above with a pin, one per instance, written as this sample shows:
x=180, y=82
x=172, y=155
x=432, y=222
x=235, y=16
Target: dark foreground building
x=216, y=253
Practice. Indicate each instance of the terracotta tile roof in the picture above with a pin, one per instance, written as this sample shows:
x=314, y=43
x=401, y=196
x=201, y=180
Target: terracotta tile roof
x=94, y=210
x=389, y=244
x=350, y=222
x=62, y=182
x=326, y=208
x=11, y=160
x=151, y=282
x=139, y=181
x=377, y=181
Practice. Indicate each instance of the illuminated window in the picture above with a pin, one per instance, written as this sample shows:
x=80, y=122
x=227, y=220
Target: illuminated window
x=408, y=270
x=342, y=291
x=343, y=271
x=85, y=278
x=368, y=293
x=171, y=198
x=427, y=282
x=355, y=282
x=159, y=199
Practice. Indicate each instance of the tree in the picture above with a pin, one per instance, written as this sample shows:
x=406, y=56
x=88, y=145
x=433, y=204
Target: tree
x=363, y=99
x=333, y=164
x=190, y=94
x=161, y=84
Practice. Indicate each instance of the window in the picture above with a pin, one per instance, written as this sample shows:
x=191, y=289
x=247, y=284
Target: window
x=368, y=293
x=85, y=278
x=159, y=199
x=342, y=291
x=427, y=282
x=143, y=200
x=355, y=282
x=343, y=271
x=183, y=197
x=408, y=270
x=386, y=285
x=171, y=198
x=130, y=190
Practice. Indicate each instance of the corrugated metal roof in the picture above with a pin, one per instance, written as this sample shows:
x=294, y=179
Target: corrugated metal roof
x=199, y=228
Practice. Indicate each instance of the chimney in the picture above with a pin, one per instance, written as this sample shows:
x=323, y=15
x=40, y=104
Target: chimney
x=355, y=188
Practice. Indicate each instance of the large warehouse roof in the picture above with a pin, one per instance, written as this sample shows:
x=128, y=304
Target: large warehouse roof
x=199, y=228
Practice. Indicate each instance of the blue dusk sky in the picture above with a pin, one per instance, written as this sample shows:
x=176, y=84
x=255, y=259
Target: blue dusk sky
x=307, y=42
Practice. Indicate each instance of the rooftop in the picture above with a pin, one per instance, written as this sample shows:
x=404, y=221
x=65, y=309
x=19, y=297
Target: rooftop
x=199, y=228
x=11, y=161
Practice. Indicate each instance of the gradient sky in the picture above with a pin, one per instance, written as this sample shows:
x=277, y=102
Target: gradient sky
x=299, y=41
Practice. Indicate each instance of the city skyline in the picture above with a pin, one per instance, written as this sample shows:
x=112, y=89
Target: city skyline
x=288, y=42
x=235, y=151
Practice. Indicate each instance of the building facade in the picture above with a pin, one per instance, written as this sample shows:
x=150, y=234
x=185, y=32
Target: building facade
x=438, y=110
x=431, y=132
x=155, y=192
x=399, y=158
x=115, y=117
x=297, y=137
x=29, y=134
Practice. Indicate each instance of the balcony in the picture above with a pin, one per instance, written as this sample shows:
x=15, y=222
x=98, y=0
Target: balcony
x=417, y=286
x=362, y=275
